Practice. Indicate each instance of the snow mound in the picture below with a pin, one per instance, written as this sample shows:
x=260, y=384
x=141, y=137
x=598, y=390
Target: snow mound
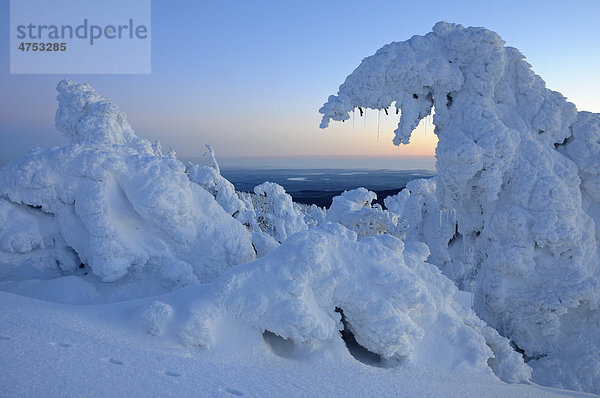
x=111, y=201
x=353, y=210
x=395, y=304
x=514, y=213
x=155, y=317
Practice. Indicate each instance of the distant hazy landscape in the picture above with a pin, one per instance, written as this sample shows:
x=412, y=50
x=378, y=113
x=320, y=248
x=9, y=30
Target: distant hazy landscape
x=319, y=186
x=316, y=180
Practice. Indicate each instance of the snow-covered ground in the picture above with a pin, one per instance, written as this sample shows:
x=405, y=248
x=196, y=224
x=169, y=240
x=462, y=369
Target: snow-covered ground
x=60, y=350
x=125, y=272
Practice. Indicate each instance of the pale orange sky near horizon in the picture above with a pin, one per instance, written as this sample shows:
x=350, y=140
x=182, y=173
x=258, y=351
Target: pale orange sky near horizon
x=373, y=138
x=252, y=85
x=293, y=134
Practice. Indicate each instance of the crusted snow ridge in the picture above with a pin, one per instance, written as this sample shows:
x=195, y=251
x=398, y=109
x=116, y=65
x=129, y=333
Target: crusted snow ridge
x=117, y=202
x=513, y=213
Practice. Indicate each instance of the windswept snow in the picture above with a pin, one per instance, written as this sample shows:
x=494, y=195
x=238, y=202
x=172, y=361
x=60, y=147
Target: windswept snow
x=516, y=189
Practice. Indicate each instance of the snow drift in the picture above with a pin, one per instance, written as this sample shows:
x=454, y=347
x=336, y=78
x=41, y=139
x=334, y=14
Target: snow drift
x=514, y=211
x=395, y=304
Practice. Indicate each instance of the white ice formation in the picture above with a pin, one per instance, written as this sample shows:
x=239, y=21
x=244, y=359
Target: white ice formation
x=514, y=213
x=395, y=304
x=276, y=213
x=111, y=201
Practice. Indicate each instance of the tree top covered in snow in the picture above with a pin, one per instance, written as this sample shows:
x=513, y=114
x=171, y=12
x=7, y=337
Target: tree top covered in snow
x=514, y=212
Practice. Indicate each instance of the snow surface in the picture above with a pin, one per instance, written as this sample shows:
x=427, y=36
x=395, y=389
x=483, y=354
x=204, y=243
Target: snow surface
x=124, y=271
x=513, y=214
x=57, y=350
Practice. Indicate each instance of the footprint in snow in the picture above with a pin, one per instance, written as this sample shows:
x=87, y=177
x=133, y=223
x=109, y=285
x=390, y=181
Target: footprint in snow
x=4, y=338
x=172, y=374
x=234, y=392
x=116, y=361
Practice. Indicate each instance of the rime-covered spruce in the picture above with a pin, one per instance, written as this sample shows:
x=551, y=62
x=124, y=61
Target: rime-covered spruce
x=514, y=212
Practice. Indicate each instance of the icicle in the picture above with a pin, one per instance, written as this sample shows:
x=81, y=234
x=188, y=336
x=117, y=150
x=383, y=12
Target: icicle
x=378, y=119
x=431, y=123
x=445, y=220
x=353, y=114
x=365, y=121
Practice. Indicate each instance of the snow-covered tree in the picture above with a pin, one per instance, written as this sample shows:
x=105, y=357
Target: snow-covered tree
x=517, y=188
x=276, y=213
x=353, y=210
x=112, y=201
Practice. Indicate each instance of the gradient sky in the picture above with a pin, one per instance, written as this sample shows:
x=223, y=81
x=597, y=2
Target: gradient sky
x=249, y=76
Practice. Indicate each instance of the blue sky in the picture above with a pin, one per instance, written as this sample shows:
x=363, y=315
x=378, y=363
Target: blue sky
x=249, y=77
